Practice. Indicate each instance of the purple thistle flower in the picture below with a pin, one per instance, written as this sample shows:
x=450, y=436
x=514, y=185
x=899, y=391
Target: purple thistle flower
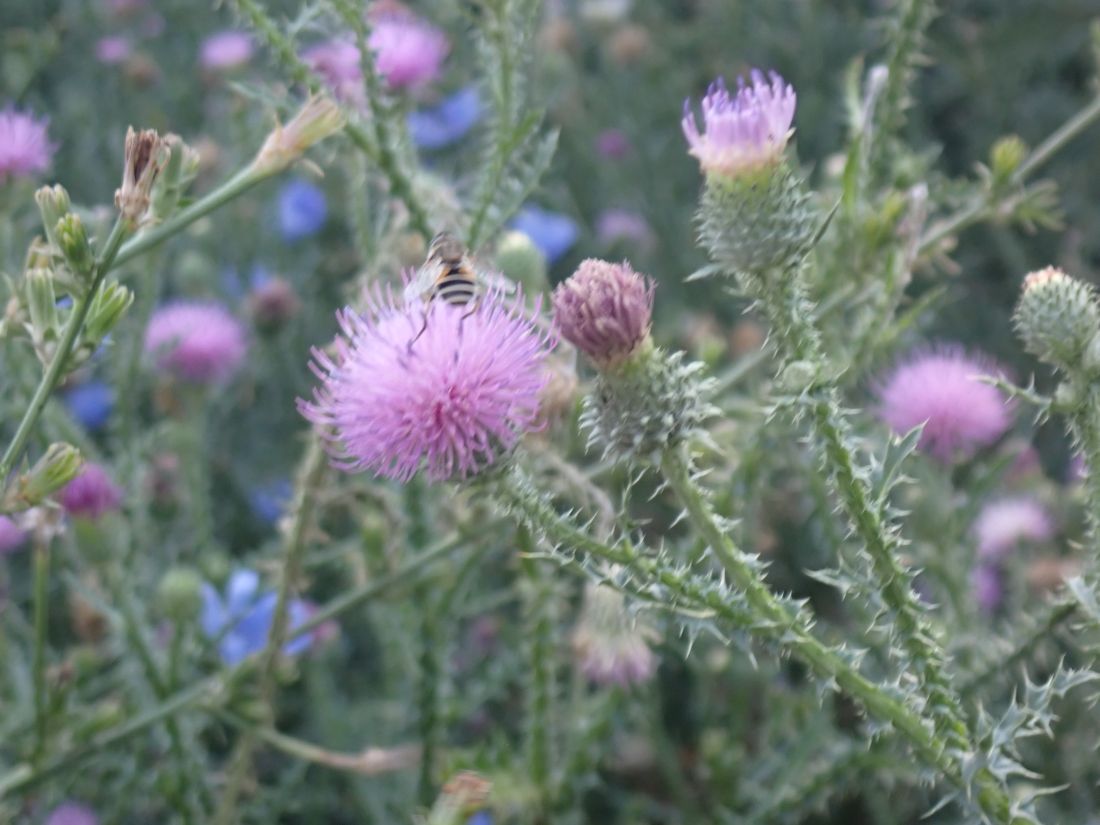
x=408, y=51
x=91, y=495
x=1004, y=524
x=987, y=587
x=741, y=131
x=446, y=122
x=25, y=146
x=241, y=619
x=337, y=61
x=613, y=144
x=615, y=225
x=113, y=49
x=453, y=402
x=196, y=342
x=12, y=535
x=552, y=232
x=72, y=813
x=604, y=310
x=942, y=389
x=225, y=51
x=611, y=646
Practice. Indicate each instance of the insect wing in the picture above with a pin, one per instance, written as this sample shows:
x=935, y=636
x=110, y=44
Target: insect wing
x=423, y=280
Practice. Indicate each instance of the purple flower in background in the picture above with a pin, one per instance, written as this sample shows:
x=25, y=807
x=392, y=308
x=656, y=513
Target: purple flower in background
x=446, y=122
x=552, y=232
x=199, y=342
x=741, y=131
x=987, y=587
x=451, y=402
x=302, y=210
x=72, y=813
x=91, y=495
x=942, y=389
x=1003, y=525
x=610, y=645
x=12, y=535
x=269, y=501
x=25, y=146
x=337, y=61
x=615, y=225
x=240, y=619
x=408, y=51
x=225, y=51
x=613, y=144
x=113, y=49
x=91, y=403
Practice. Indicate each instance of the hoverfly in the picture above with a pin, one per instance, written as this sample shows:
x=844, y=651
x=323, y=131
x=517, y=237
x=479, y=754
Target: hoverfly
x=448, y=275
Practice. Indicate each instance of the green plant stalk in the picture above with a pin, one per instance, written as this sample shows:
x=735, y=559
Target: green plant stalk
x=538, y=615
x=769, y=619
x=41, y=622
x=69, y=334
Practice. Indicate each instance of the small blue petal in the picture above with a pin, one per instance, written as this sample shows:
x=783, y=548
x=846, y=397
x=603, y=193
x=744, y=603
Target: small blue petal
x=552, y=232
x=299, y=615
x=91, y=404
x=213, y=617
x=241, y=591
x=269, y=501
x=480, y=818
x=254, y=625
x=447, y=122
x=248, y=615
x=302, y=210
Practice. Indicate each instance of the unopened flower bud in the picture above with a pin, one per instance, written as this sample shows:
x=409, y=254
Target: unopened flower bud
x=179, y=170
x=605, y=310
x=57, y=467
x=272, y=303
x=755, y=213
x=42, y=305
x=318, y=119
x=179, y=594
x=144, y=157
x=462, y=795
x=1005, y=158
x=518, y=258
x=53, y=204
x=108, y=307
x=72, y=241
x=1057, y=317
x=611, y=646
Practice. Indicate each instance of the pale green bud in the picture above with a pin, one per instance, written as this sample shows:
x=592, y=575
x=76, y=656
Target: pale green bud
x=178, y=173
x=53, y=204
x=56, y=468
x=319, y=118
x=108, y=306
x=179, y=594
x=42, y=304
x=1005, y=158
x=72, y=241
x=1057, y=317
x=518, y=258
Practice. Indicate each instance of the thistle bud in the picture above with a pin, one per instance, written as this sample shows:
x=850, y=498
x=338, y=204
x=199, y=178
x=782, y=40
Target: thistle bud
x=57, y=467
x=53, y=204
x=272, y=303
x=318, y=119
x=1057, y=317
x=144, y=157
x=755, y=213
x=522, y=261
x=605, y=310
x=610, y=645
x=108, y=306
x=72, y=241
x=179, y=594
x=1005, y=158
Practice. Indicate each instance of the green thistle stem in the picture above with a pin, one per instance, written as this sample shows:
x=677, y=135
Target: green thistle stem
x=540, y=621
x=41, y=622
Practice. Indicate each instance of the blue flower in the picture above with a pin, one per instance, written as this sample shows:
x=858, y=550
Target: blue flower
x=448, y=121
x=552, y=232
x=480, y=818
x=302, y=210
x=269, y=501
x=242, y=619
x=91, y=403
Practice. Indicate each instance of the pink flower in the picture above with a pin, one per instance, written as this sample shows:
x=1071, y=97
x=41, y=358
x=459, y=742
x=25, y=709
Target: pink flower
x=92, y=494
x=605, y=310
x=942, y=389
x=743, y=131
x=407, y=51
x=987, y=587
x=613, y=144
x=72, y=813
x=225, y=51
x=337, y=61
x=1004, y=524
x=11, y=535
x=25, y=146
x=610, y=645
x=113, y=49
x=197, y=342
x=452, y=401
x=615, y=225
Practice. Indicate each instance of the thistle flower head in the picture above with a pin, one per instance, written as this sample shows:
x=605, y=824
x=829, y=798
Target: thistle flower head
x=226, y=50
x=451, y=402
x=25, y=146
x=72, y=813
x=197, y=342
x=337, y=62
x=742, y=131
x=91, y=495
x=12, y=535
x=987, y=587
x=1057, y=316
x=942, y=389
x=1003, y=525
x=113, y=49
x=144, y=156
x=610, y=645
x=408, y=51
x=605, y=310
